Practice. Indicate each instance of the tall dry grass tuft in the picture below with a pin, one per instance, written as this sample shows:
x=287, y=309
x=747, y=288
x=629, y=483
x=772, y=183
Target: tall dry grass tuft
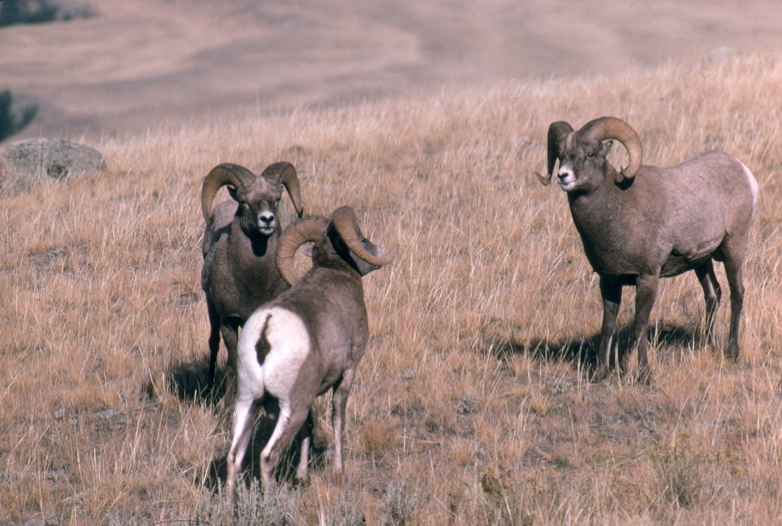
x=471, y=405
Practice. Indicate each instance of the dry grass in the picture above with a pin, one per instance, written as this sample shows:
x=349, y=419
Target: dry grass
x=471, y=405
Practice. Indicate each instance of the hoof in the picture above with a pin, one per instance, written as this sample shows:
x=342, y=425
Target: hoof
x=600, y=374
x=337, y=478
x=732, y=353
x=643, y=376
x=301, y=476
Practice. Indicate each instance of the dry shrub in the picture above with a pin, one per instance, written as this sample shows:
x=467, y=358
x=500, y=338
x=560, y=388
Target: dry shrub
x=691, y=477
x=482, y=331
x=402, y=501
x=377, y=438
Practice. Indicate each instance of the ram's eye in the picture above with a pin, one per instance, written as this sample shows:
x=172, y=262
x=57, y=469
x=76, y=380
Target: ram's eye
x=591, y=154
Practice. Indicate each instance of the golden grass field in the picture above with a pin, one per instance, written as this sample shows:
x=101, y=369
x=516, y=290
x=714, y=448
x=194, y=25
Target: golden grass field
x=472, y=404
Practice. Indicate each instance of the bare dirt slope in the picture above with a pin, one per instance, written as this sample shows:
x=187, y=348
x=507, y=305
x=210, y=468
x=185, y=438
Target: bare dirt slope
x=142, y=64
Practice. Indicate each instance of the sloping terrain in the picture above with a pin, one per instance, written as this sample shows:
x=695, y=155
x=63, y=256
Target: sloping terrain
x=139, y=65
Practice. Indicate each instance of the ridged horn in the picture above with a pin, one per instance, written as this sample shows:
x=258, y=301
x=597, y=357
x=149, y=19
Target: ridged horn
x=556, y=134
x=606, y=128
x=285, y=173
x=346, y=224
x=310, y=228
x=221, y=175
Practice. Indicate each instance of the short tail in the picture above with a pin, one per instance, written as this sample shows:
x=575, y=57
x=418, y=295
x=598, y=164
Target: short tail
x=253, y=348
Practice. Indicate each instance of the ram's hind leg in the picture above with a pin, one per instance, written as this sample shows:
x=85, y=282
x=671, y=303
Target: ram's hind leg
x=734, y=263
x=339, y=399
x=712, y=294
x=244, y=417
x=289, y=423
x=305, y=436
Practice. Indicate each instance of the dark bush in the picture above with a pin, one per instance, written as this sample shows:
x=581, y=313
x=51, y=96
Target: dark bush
x=38, y=11
x=11, y=123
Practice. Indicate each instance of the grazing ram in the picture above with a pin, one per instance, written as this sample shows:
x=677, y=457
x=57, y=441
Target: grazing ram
x=645, y=223
x=306, y=341
x=240, y=242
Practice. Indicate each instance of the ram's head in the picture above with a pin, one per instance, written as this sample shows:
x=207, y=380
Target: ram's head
x=258, y=196
x=582, y=154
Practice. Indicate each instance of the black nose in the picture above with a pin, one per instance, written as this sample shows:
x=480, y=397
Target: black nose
x=265, y=219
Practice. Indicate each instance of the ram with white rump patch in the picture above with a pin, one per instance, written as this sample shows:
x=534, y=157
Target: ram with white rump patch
x=307, y=341
x=645, y=223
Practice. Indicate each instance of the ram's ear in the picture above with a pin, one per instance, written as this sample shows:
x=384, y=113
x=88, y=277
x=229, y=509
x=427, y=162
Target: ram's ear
x=232, y=193
x=605, y=148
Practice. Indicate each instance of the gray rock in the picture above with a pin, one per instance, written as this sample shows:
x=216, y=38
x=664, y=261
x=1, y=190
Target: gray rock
x=23, y=163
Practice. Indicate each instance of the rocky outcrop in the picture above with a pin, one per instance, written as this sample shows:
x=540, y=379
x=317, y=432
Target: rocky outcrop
x=23, y=163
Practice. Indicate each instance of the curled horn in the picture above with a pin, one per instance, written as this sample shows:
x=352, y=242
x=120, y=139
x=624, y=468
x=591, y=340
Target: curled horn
x=221, y=175
x=346, y=224
x=556, y=134
x=310, y=228
x=284, y=173
x=606, y=128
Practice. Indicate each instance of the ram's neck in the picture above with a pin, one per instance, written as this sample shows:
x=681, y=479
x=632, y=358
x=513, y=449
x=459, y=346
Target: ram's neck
x=254, y=265
x=599, y=219
x=242, y=243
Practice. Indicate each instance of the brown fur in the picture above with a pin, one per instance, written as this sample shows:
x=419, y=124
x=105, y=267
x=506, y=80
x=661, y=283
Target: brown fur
x=329, y=299
x=664, y=222
x=240, y=271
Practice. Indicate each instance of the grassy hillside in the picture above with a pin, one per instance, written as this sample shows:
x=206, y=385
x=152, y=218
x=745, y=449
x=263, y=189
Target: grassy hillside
x=471, y=404
x=138, y=64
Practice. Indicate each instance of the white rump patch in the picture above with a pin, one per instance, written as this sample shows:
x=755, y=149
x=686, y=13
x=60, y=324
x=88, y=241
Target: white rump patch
x=289, y=344
x=753, y=183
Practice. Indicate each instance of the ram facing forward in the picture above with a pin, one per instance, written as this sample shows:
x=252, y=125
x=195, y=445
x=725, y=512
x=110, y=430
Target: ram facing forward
x=645, y=223
x=307, y=341
x=239, y=247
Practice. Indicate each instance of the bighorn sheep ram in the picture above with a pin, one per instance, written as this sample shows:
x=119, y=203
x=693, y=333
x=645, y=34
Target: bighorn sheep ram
x=240, y=242
x=306, y=341
x=645, y=223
